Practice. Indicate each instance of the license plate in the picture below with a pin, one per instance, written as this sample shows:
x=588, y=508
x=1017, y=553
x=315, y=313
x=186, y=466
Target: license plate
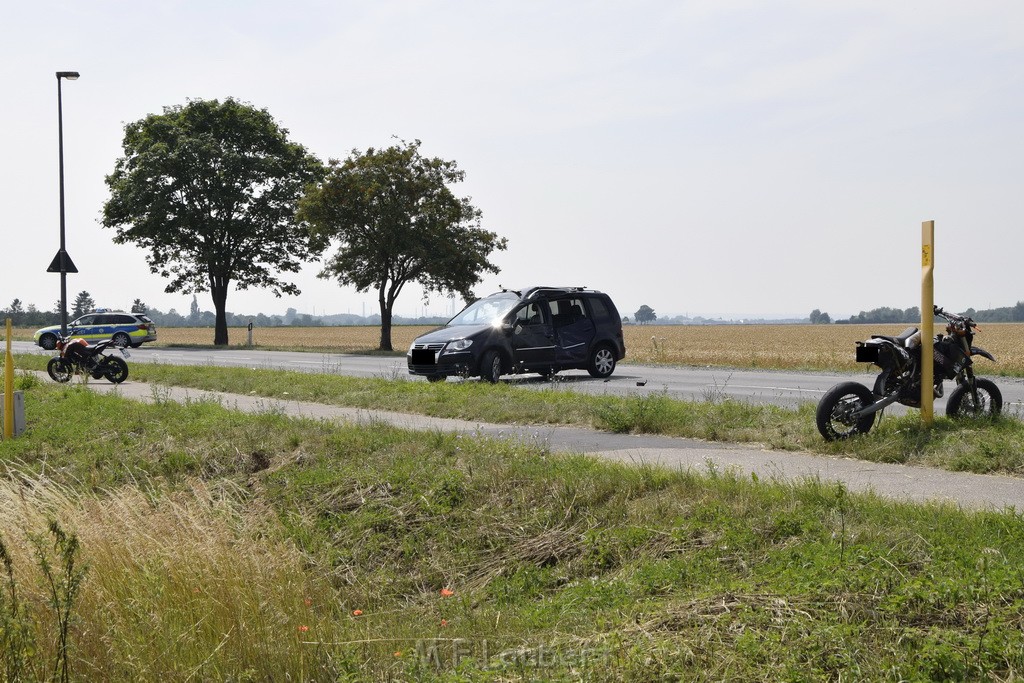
x=125, y=353
x=422, y=357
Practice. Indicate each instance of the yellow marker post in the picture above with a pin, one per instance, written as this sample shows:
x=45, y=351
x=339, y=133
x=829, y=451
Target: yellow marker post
x=8, y=387
x=927, y=321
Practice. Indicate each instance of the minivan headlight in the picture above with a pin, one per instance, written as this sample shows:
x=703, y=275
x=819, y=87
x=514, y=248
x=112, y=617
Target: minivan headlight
x=458, y=345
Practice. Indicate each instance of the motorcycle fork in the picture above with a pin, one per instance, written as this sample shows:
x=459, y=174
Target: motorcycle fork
x=968, y=371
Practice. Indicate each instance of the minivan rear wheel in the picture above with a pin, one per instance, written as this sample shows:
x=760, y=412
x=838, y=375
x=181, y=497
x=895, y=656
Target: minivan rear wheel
x=602, y=362
x=490, y=366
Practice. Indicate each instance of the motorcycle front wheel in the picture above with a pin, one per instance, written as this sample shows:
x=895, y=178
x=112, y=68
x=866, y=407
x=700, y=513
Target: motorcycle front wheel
x=834, y=416
x=115, y=369
x=60, y=370
x=961, y=403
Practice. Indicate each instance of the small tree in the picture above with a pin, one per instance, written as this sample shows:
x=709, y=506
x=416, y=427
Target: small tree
x=16, y=312
x=398, y=222
x=819, y=318
x=139, y=307
x=645, y=314
x=83, y=304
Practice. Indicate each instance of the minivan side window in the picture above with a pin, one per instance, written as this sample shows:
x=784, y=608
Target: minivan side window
x=601, y=311
x=529, y=315
x=567, y=311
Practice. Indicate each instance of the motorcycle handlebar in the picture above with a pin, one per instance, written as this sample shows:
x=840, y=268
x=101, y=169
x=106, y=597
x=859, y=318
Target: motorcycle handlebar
x=953, y=317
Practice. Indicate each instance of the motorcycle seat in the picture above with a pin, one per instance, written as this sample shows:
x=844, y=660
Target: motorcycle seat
x=900, y=339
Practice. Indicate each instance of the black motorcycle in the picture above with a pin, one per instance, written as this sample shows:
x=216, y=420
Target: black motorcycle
x=850, y=408
x=75, y=355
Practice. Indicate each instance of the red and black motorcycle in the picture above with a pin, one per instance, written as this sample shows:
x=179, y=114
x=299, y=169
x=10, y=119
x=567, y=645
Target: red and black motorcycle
x=850, y=407
x=77, y=356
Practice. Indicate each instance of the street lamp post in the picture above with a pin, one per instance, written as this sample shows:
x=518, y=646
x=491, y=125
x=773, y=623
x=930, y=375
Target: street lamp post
x=65, y=265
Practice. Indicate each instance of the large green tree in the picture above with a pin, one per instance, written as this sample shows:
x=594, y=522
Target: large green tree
x=397, y=221
x=210, y=190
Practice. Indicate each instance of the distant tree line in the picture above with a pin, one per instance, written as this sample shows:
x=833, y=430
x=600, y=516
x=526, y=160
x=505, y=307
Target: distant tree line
x=885, y=315
x=23, y=315
x=1006, y=314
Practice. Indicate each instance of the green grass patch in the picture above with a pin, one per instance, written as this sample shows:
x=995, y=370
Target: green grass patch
x=988, y=446
x=220, y=545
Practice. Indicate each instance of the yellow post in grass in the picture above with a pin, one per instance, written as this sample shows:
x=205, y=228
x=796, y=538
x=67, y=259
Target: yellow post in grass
x=8, y=387
x=927, y=321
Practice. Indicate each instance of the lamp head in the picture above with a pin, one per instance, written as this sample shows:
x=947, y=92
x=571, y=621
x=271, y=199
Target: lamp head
x=70, y=75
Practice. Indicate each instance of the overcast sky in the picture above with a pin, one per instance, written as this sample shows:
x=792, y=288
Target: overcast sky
x=718, y=158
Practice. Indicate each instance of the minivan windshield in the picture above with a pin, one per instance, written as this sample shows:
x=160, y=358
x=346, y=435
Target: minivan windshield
x=486, y=311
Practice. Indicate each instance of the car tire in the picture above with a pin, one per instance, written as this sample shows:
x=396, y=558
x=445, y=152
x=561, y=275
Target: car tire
x=435, y=378
x=491, y=366
x=121, y=340
x=602, y=361
x=48, y=342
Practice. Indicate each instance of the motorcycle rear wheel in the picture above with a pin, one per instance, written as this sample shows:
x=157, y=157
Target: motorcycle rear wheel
x=115, y=369
x=961, y=403
x=60, y=370
x=834, y=415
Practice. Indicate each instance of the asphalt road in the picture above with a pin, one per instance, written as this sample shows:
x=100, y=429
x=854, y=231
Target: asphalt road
x=757, y=386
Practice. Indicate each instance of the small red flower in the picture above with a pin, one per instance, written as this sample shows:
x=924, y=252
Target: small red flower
x=398, y=653
x=303, y=628
x=444, y=622
x=357, y=612
x=447, y=592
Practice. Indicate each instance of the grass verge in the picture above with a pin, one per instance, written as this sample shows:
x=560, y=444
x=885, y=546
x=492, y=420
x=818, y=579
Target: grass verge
x=986, y=446
x=219, y=545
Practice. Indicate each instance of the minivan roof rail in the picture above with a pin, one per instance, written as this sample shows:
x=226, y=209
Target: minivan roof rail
x=535, y=290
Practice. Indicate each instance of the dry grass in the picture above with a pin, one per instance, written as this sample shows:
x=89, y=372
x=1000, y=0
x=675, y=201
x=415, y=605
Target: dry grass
x=820, y=347
x=168, y=573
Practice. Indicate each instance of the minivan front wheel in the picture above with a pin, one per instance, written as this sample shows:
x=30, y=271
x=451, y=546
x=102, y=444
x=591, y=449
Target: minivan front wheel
x=490, y=366
x=602, y=362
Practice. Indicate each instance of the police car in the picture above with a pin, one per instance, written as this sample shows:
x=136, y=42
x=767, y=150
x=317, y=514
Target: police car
x=124, y=329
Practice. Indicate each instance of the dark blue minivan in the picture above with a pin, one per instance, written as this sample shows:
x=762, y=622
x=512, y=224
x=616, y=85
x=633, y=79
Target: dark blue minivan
x=537, y=329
